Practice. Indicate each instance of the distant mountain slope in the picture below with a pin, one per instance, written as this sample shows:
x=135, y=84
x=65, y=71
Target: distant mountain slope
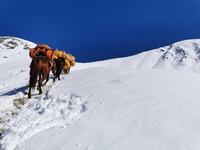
x=14, y=50
x=184, y=55
x=7, y=42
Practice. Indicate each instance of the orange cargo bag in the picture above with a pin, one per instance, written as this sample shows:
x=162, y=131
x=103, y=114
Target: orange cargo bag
x=49, y=54
x=32, y=53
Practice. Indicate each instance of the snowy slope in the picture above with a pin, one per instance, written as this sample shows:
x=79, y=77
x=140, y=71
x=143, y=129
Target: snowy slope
x=182, y=56
x=128, y=109
x=138, y=102
x=7, y=42
x=14, y=68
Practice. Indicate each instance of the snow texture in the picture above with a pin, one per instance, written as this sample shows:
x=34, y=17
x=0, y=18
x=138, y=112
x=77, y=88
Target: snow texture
x=149, y=101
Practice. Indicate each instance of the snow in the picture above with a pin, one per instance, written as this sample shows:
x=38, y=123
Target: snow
x=149, y=101
x=181, y=56
x=124, y=112
x=41, y=114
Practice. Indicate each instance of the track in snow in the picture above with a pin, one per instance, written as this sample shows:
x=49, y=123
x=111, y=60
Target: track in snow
x=39, y=113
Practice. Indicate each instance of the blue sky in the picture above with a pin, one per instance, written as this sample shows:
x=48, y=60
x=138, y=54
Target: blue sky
x=96, y=30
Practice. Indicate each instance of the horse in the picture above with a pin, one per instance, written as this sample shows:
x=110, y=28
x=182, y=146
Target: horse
x=39, y=67
x=59, y=66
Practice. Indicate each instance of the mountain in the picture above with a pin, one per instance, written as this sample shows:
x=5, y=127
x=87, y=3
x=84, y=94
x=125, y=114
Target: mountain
x=183, y=56
x=149, y=101
x=7, y=42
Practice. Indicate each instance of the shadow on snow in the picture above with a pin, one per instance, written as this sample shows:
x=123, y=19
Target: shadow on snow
x=15, y=91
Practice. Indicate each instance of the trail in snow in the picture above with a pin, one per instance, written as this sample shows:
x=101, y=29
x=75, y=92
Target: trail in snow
x=39, y=113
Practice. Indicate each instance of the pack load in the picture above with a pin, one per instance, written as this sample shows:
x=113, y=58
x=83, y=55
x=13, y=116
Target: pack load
x=42, y=50
x=45, y=50
x=69, y=60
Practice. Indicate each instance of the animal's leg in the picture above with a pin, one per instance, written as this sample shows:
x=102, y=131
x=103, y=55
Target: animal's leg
x=43, y=77
x=54, y=78
x=40, y=88
x=54, y=68
x=40, y=84
x=59, y=77
x=59, y=72
x=47, y=79
x=29, y=92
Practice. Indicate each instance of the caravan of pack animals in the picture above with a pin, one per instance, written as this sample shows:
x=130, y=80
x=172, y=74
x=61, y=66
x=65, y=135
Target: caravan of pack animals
x=44, y=61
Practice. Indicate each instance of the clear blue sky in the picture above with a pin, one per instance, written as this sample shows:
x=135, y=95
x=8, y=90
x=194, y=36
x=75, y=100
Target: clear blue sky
x=95, y=30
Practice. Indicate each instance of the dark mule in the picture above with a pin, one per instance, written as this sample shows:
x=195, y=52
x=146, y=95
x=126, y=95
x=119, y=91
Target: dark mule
x=53, y=68
x=40, y=68
x=59, y=65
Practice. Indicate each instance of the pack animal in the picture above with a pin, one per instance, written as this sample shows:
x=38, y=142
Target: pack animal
x=39, y=72
x=59, y=66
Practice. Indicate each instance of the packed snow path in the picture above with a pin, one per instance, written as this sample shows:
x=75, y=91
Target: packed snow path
x=39, y=113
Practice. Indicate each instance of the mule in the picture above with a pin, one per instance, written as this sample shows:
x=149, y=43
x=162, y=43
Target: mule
x=59, y=66
x=40, y=68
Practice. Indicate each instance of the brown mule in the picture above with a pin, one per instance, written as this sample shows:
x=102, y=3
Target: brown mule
x=59, y=66
x=40, y=67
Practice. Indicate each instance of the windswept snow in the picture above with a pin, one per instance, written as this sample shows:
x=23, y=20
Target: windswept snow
x=7, y=42
x=149, y=101
x=51, y=110
x=128, y=109
x=181, y=56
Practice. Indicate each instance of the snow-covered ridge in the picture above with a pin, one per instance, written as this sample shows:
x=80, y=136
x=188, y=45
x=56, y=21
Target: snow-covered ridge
x=7, y=42
x=14, y=49
x=184, y=55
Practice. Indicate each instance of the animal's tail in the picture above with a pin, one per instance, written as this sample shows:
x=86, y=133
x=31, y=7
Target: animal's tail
x=33, y=80
x=34, y=73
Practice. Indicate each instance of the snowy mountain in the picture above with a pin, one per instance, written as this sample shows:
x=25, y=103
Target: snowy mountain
x=149, y=101
x=7, y=42
x=184, y=55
